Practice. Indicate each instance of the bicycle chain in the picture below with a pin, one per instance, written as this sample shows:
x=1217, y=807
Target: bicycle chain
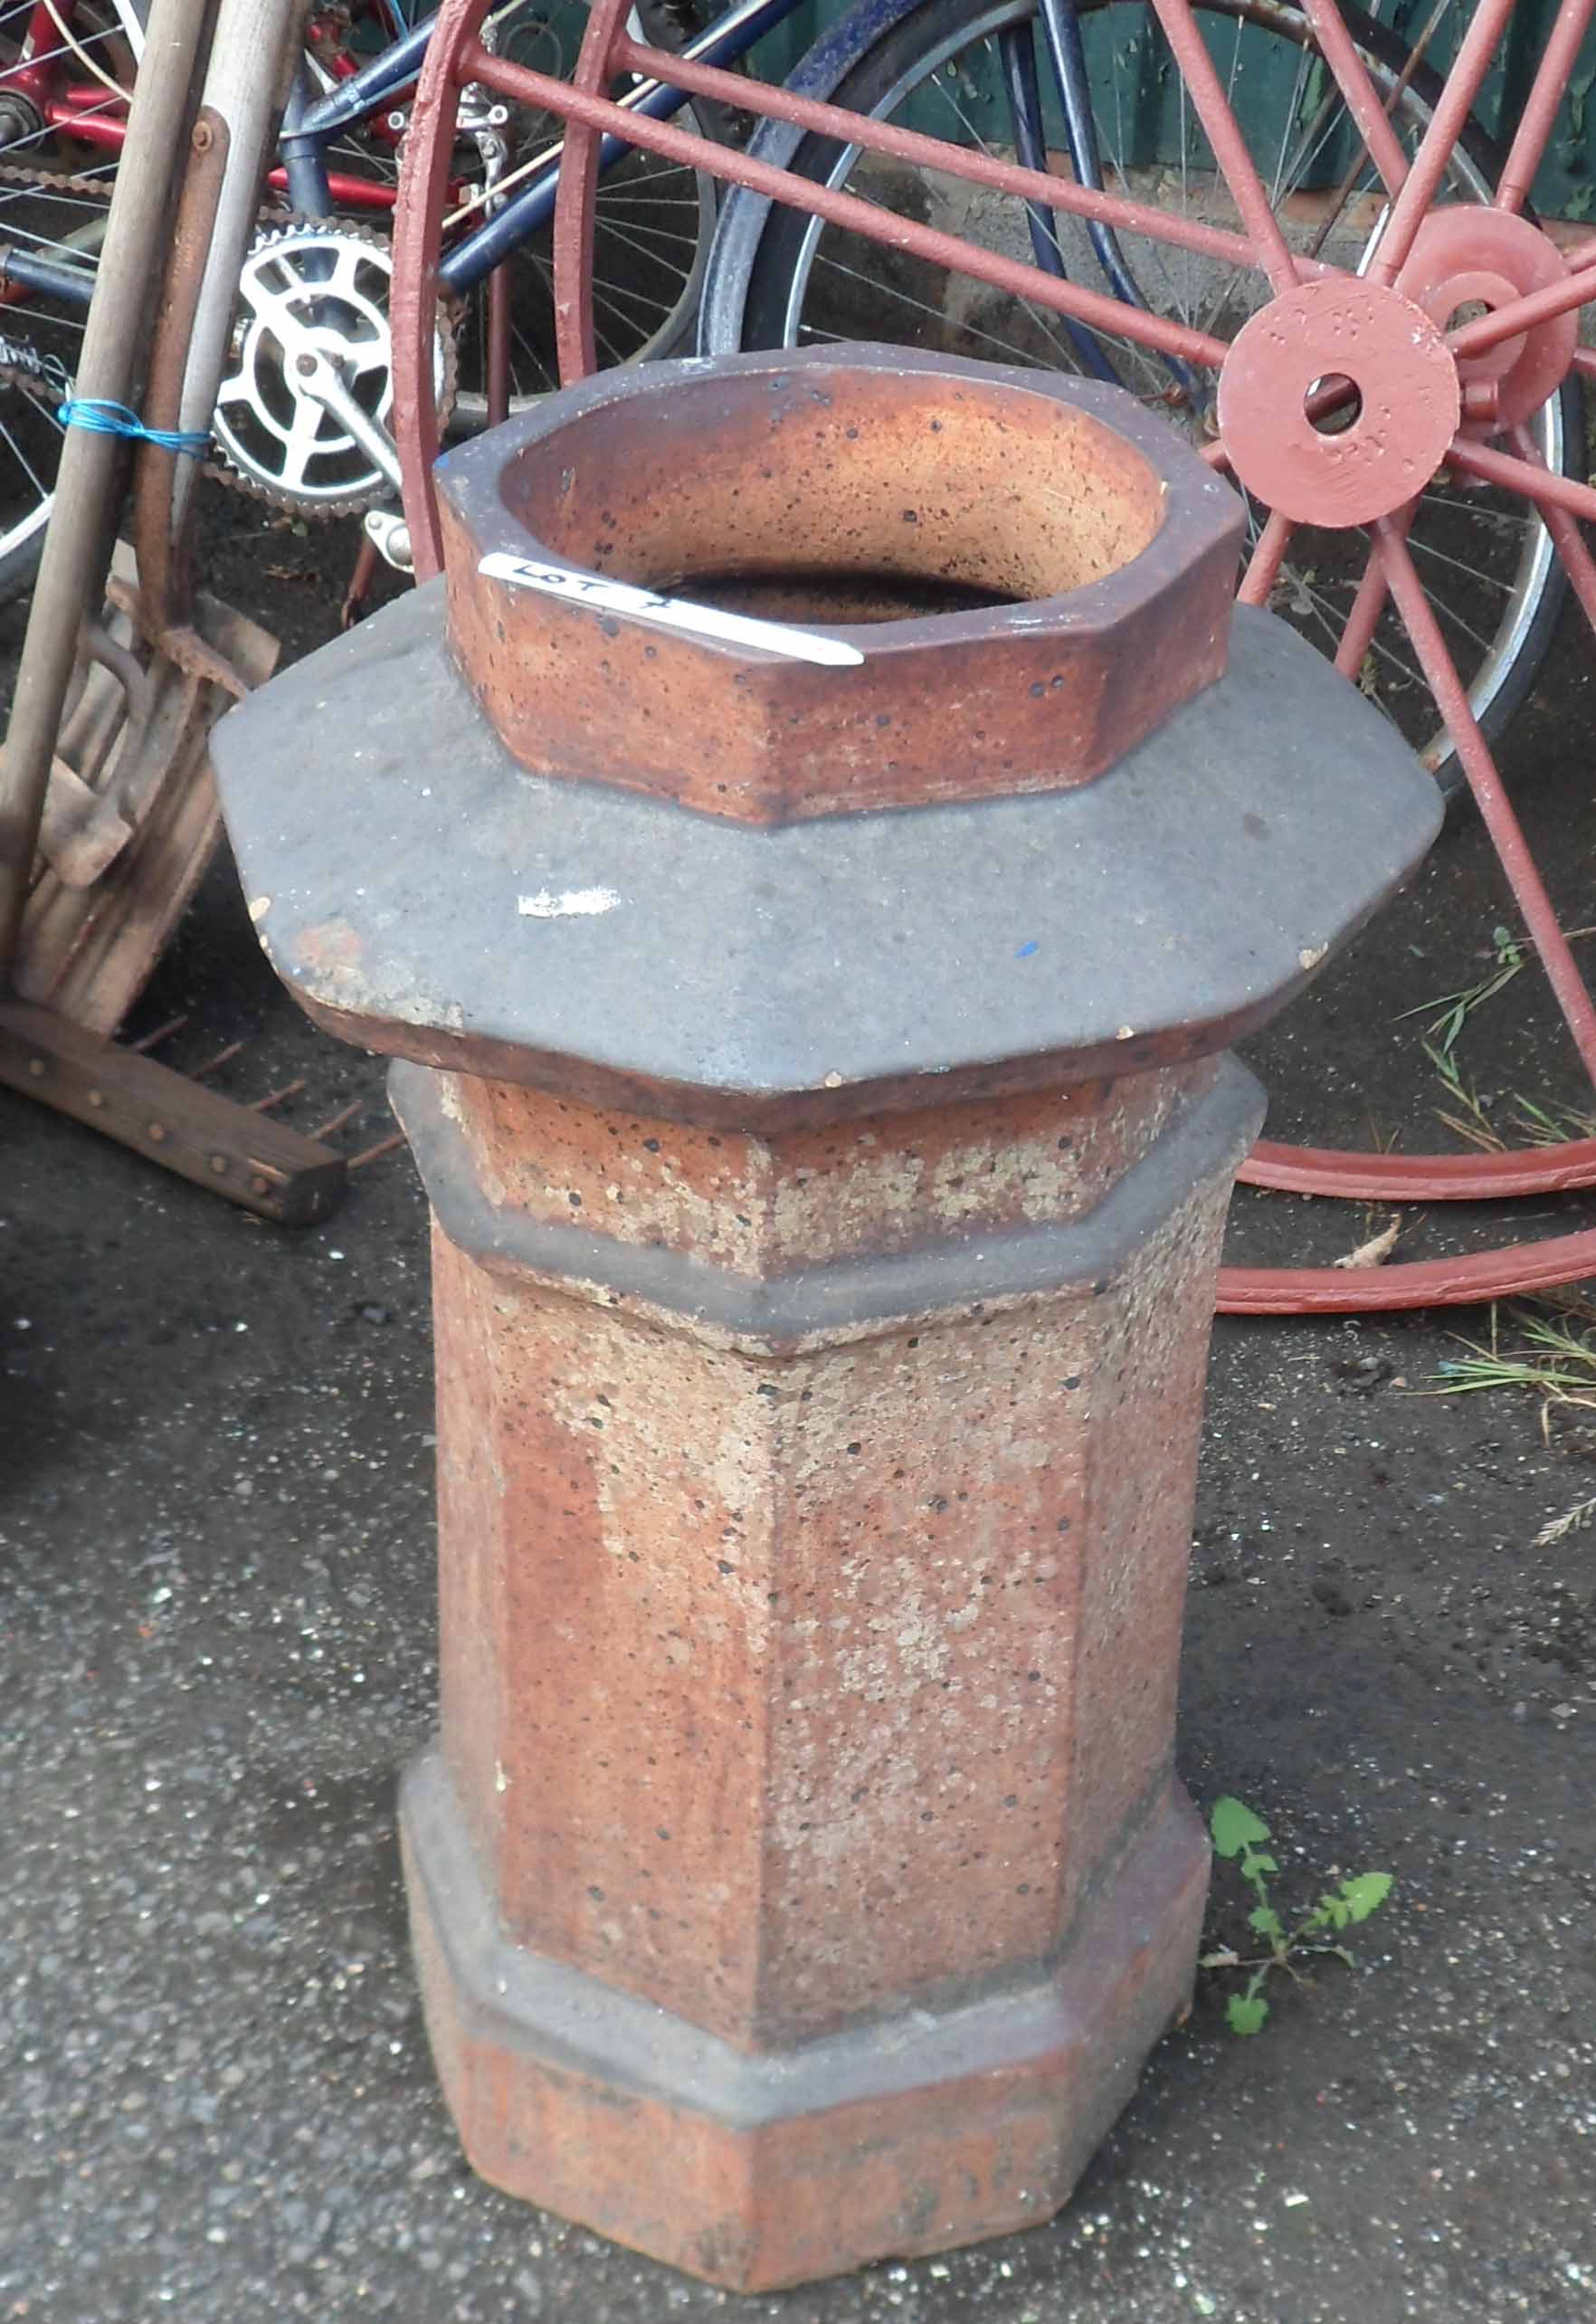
x=92, y=184
x=46, y=389
x=35, y=381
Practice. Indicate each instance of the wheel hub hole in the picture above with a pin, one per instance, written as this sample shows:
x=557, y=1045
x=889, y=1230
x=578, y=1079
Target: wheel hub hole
x=1332, y=403
x=1467, y=310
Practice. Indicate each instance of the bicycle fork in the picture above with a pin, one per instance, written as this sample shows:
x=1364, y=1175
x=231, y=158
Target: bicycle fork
x=1067, y=55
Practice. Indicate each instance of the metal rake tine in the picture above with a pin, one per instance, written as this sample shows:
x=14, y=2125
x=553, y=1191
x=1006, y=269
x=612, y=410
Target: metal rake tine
x=162, y=1032
x=276, y=1097
x=374, y=1153
x=214, y=1064
x=335, y=1121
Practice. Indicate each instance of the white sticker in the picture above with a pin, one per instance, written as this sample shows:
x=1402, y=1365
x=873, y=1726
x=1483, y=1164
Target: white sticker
x=571, y=903
x=670, y=612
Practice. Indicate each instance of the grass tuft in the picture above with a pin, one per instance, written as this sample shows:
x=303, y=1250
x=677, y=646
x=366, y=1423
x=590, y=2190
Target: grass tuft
x=1549, y=1355
x=1468, y=1113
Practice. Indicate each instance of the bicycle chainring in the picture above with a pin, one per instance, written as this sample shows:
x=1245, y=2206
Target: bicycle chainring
x=275, y=442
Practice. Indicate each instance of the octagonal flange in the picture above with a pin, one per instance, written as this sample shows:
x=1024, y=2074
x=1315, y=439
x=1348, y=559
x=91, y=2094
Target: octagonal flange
x=425, y=897
x=758, y=2172
x=1034, y=571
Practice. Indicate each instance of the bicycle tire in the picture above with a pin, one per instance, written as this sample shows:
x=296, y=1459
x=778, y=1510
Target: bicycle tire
x=41, y=340
x=646, y=246
x=857, y=64
x=19, y=564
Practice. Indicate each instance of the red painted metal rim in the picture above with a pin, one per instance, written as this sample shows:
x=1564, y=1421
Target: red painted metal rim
x=1511, y=1273
x=1420, y=1177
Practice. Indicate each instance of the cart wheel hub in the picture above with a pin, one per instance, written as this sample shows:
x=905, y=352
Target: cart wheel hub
x=1338, y=402
x=1472, y=257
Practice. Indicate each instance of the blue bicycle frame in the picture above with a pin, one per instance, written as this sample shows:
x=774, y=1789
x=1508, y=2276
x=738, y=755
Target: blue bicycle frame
x=311, y=123
x=310, y=129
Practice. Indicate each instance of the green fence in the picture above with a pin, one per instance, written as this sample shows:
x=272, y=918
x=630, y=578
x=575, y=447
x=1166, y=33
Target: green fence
x=1566, y=186
x=1138, y=92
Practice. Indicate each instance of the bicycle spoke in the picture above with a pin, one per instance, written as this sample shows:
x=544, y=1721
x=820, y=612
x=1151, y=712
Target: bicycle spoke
x=1155, y=376
x=39, y=242
x=1404, y=673
x=648, y=205
x=646, y=246
x=1446, y=610
x=646, y=302
x=607, y=347
x=63, y=50
x=1054, y=337
x=1006, y=348
x=21, y=457
x=1458, y=565
x=1339, y=53
x=1197, y=73
x=48, y=130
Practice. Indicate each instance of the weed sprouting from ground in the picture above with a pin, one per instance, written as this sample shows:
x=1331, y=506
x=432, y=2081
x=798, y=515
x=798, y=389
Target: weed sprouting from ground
x=1572, y=1520
x=1242, y=1838
x=1448, y=1013
x=1551, y=1356
x=1466, y=1111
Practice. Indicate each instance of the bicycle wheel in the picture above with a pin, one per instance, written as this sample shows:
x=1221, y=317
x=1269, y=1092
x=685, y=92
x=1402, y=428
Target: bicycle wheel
x=654, y=224
x=781, y=278
x=53, y=195
x=653, y=228
x=60, y=112
x=1460, y=320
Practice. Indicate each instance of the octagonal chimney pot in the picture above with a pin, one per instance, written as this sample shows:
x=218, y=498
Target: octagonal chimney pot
x=813, y=1050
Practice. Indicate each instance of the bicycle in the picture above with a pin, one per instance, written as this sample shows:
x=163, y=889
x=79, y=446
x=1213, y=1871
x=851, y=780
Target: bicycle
x=316, y=263
x=1481, y=384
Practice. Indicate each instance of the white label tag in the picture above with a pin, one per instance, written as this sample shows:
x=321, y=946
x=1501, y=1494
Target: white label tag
x=670, y=612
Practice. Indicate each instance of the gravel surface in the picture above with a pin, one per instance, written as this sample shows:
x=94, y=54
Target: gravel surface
x=216, y=1609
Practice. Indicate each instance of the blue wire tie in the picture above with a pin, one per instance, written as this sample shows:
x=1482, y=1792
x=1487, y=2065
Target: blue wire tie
x=102, y=417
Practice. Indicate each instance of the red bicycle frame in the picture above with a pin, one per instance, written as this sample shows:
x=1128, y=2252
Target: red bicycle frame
x=90, y=113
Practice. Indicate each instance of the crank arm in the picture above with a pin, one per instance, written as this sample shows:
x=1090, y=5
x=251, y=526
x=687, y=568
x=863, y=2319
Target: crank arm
x=320, y=380
x=389, y=535
x=316, y=377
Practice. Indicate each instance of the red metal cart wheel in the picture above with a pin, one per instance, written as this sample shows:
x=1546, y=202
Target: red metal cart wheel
x=1459, y=323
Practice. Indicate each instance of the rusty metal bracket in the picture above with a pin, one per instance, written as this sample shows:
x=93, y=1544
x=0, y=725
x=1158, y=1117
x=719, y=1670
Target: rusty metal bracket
x=180, y=641
x=160, y=542
x=231, y=1150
